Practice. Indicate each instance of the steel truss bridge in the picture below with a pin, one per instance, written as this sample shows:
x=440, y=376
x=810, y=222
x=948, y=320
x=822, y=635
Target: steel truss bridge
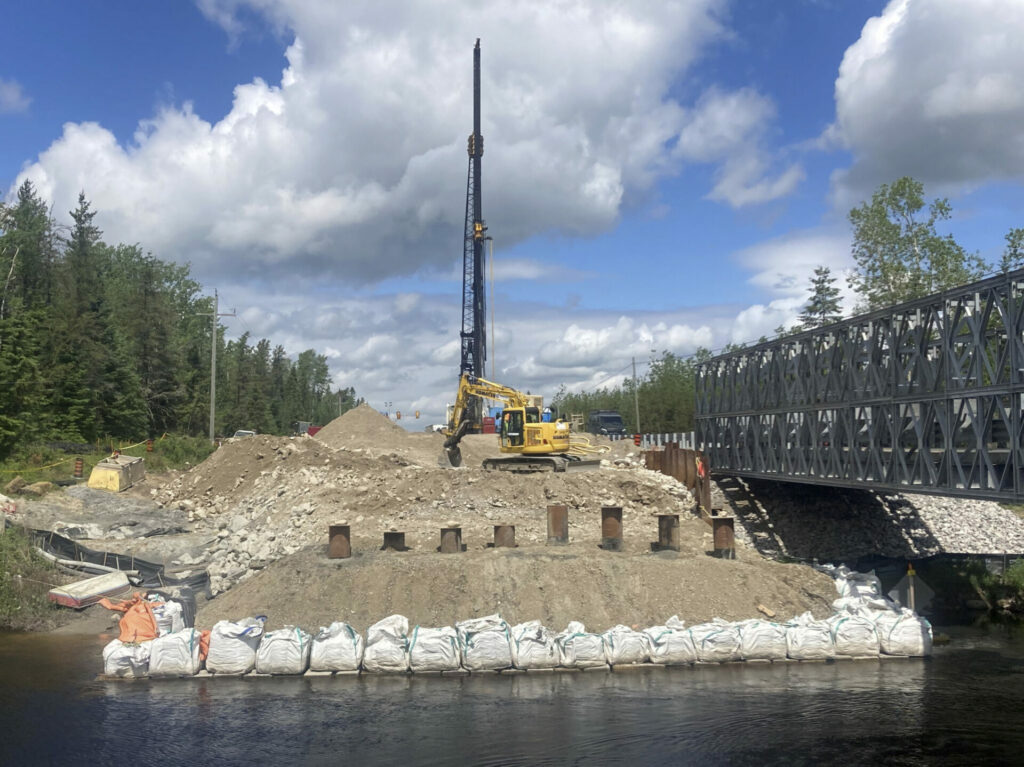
x=922, y=397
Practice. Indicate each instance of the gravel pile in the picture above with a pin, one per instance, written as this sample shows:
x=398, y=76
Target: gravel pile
x=263, y=498
x=804, y=522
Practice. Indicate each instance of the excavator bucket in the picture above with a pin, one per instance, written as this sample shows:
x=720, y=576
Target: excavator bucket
x=451, y=457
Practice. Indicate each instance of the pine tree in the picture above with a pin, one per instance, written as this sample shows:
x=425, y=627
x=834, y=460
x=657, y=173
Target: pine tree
x=823, y=307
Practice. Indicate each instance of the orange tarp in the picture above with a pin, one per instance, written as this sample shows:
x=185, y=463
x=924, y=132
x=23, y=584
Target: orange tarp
x=138, y=623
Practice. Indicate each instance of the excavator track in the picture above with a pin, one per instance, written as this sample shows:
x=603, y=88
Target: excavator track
x=528, y=464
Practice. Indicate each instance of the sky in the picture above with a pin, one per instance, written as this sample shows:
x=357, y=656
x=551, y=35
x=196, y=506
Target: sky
x=657, y=176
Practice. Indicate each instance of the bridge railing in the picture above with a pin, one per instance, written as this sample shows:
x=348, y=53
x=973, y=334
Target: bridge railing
x=924, y=396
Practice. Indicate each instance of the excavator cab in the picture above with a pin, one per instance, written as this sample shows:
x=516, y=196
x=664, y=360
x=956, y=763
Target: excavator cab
x=512, y=430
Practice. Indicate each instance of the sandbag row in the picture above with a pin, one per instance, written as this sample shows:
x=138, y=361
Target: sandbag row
x=491, y=644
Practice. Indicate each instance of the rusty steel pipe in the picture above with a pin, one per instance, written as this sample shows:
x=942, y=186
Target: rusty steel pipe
x=504, y=536
x=393, y=541
x=558, y=525
x=451, y=540
x=611, y=528
x=724, y=534
x=339, y=539
x=668, y=532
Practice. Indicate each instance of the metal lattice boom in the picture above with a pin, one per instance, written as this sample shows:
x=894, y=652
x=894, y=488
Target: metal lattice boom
x=924, y=396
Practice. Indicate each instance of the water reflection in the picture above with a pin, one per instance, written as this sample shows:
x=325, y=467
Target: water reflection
x=960, y=706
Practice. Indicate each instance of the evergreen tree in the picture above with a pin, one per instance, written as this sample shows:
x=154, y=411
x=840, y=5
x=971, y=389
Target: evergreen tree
x=822, y=308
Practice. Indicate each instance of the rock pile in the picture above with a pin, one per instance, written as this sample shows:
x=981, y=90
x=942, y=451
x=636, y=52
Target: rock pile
x=804, y=522
x=264, y=498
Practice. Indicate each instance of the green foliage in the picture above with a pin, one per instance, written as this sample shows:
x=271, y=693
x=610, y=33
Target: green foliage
x=25, y=577
x=103, y=343
x=822, y=308
x=898, y=251
x=1014, y=577
x=1013, y=256
x=666, y=396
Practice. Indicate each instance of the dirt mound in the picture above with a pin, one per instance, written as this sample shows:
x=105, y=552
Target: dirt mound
x=363, y=427
x=552, y=584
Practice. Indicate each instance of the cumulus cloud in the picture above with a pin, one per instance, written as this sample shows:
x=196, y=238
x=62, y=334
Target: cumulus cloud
x=12, y=97
x=412, y=359
x=353, y=163
x=728, y=128
x=931, y=89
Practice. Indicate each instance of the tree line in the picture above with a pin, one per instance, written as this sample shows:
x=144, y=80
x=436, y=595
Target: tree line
x=102, y=341
x=899, y=255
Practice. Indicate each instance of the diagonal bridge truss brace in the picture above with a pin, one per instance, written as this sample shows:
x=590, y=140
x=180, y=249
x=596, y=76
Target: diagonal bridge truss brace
x=924, y=396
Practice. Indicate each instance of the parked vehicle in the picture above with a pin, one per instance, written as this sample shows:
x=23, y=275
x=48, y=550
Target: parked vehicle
x=606, y=422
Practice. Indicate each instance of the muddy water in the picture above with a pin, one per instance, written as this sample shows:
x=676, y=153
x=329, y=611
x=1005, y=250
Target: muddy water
x=962, y=706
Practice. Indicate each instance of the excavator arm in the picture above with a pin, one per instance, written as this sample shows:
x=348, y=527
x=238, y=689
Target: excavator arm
x=471, y=386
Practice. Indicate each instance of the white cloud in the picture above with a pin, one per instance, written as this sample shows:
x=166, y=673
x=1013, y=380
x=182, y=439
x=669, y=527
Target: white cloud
x=354, y=163
x=932, y=90
x=784, y=266
x=729, y=128
x=12, y=97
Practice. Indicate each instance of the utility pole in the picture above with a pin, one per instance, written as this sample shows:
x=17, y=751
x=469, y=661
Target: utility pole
x=636, y=397
x=213, y=356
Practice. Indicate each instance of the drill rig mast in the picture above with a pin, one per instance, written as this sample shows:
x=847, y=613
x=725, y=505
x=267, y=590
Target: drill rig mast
x=474, y=341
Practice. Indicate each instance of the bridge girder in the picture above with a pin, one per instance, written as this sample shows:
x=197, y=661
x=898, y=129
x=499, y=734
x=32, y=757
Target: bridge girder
x=924, y=396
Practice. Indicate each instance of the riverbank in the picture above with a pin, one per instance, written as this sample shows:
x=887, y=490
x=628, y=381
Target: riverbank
x=255, y=516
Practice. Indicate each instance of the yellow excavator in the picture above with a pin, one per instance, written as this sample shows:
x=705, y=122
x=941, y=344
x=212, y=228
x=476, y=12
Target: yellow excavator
x=531, y=444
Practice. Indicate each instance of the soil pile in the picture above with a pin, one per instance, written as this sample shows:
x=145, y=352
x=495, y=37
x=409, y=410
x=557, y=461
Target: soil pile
x=363, y=426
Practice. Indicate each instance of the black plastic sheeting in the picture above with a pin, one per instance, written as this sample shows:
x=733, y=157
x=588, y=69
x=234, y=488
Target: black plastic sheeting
x=152, y=575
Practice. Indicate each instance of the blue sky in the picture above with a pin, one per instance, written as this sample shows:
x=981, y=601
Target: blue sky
x=656, y=176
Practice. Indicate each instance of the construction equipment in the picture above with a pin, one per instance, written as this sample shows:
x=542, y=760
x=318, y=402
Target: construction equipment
x=532, y=444
x=473, y=335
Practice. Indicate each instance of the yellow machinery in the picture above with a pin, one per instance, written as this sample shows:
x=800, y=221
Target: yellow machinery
x=533, y=444
x=117, y=473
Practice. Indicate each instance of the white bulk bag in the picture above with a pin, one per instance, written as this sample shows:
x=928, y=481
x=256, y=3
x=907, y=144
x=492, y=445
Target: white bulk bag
x=233, y=645
x=175, y=654
x=809, y=639
x=126, y=660
x=853, y=635
x=387, y=646
x=904, y=633
x=671, y=644
x=337, y=647
x=580, y=649
x=534, y=646
x=716, y=642
x=762, y=640
x=622, y=645
x=434, y=649
x=485, y=643
x=284, y=651
x=168, y=616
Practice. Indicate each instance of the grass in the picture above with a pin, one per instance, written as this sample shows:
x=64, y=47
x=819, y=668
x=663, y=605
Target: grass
x=37, y=463
x=25, y=577
x=1016, y=508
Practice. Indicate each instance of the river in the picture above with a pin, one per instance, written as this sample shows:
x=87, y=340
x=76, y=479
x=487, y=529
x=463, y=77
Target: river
x=961, y=706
